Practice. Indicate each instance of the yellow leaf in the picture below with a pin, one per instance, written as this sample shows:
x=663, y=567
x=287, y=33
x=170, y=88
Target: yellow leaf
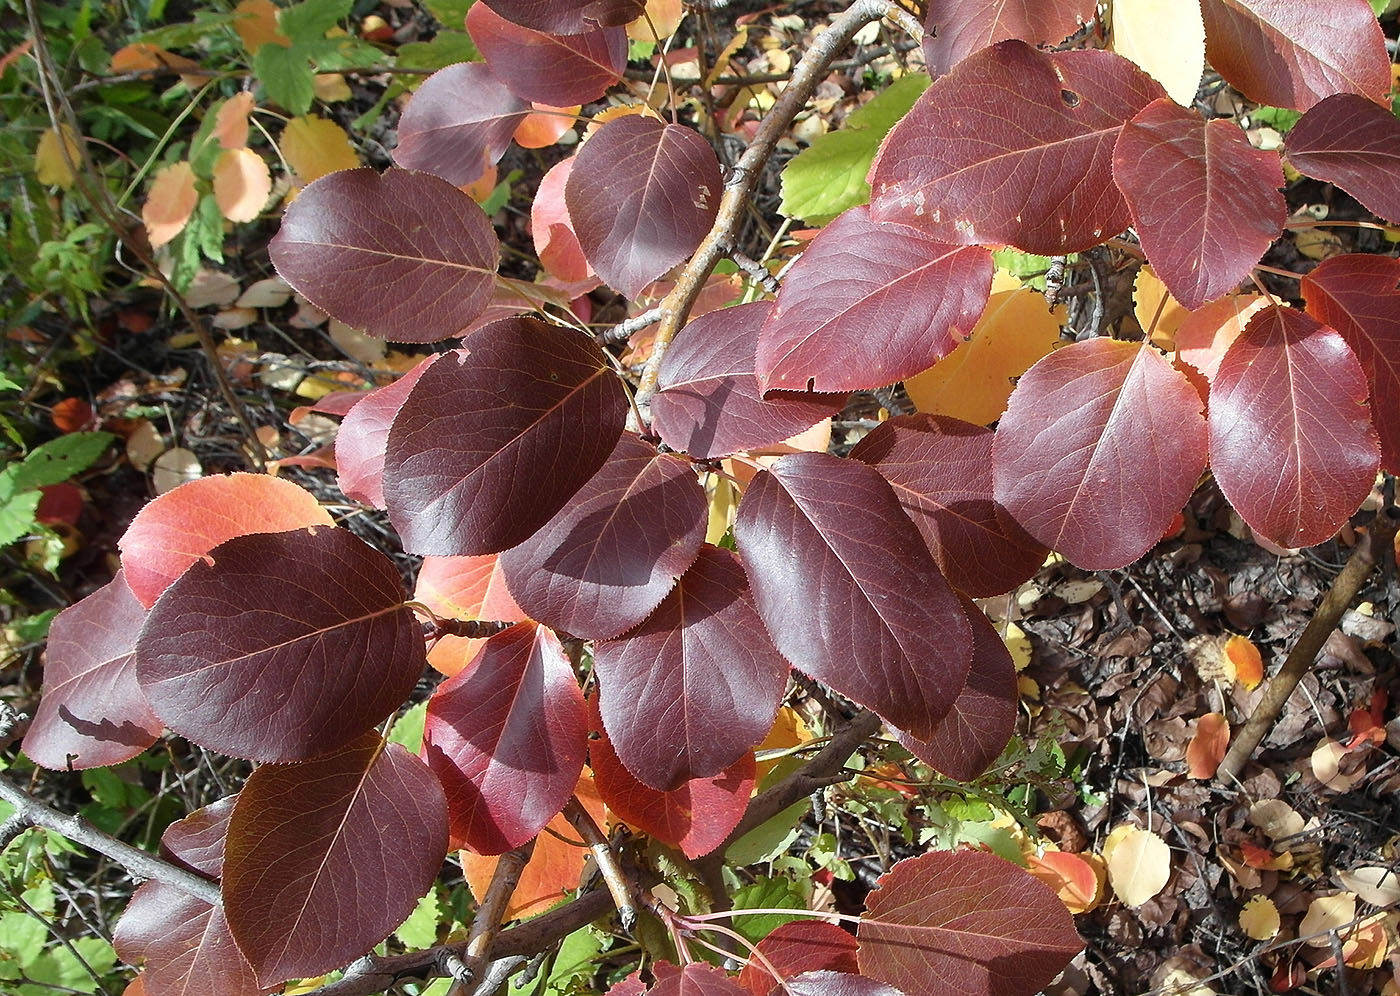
x=231, y=121
x=788, y=730
x=723, y=501
x=51, y=163
x=331, y=87
x=1259, y=919
x=170, y=202
x=1324, y=914
x=1167, y=39
x=974, y=381
x=665, y=17
x=242, y=184
x=256, y=25
x=314, y=147
x=1019, y=645
x=1156, y=309
x=1276, y=818
x=1139, y=865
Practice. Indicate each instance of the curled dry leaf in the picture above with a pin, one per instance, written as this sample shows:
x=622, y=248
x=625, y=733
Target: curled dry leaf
x=1139, y=864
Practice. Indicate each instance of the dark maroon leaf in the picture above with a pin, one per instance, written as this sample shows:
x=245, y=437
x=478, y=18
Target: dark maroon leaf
x=495, y=439
x=980, y=724
x=697, y=979
x=941, y=471
x=697, y=817
x=92, y=712
x=693, y=688
x=1351, y=142
x=567, y=17
x=353, y=244
x=324, y=858
x=1359, y=296
x=507, y=737
x=1102, y=443
x=459, y=122
x=954, y=29
x=965, y=922
x=797, y=947
x=923, y=296
x=364, y=433
x=281, y=646
x=1291, y=441
x=642, y=194
x=185, y=942
x=837, y=984
x=1205, y=203
x=559, y=70
x=709, y=403
x=1294, y=55
x=611, y=554
x=1014, y=146
x=848, y=589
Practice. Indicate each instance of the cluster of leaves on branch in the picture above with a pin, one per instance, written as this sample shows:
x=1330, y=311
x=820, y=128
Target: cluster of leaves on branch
x=245, y=621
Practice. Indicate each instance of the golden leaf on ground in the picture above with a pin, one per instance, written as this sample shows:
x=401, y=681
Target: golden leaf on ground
x=1243, y=657
x=314, y=146
x=169, y=203
x=1259, y=919
x=1018, y=644
x=52, y=163
x=788, y=730
x=1139, y=864
x=256, y=24
x=1156, y=309
x=231, y=121
x=1167, y=38
x=1207, y=748
x=242, y=184
x=1276, y=818
x=1326, y=913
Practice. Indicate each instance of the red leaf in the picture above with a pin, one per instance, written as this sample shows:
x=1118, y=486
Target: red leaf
x=364, y=434
x=642, y=194
x=1291, y=441
x=1205, y=203
x=1359, y=296
x=848, y=590
x=59, y=504
x=837, y=984
x=326, y=857
x=1351, y=142
x=796, y=947
x=691, y=690
x=180, y=527
x=492, y=442
x=923, y=295
x=610, y=555
x=954, y=29
x=1294, y=55
x=224, y=662
x=72, y=415
x=459, y=122
x=352, y=244
x=507, y=739
x=697, y=979
x=552, y=229
x=568, y=16
x=710, y=403
x=941, y=471
x=560, y=70
x=1101, y=445
x=965, y=922
x=1014, y=146
x=91, y=710
x=697, y=817
x=983, y=717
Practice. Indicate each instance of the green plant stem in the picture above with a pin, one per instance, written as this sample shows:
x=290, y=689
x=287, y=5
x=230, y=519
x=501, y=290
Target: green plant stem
x=1372, y=550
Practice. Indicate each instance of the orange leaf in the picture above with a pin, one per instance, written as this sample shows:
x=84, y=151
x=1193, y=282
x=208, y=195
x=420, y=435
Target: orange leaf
x=242, y=184
x=463, y=588
x=1071, y=876
x=1368, y=725
x=545, y=125
x=1205, y=334
x=256, y=25
x=1207, y=747
x=1243, y=655
x=231, y=121
x=1156, y=310
x=314, y=147
x=142, y=56
x=170, y=202
x=1263, y=858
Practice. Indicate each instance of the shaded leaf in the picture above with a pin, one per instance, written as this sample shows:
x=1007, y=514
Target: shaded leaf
x=223, y=663
x=556, y=69
x=495, y=439
x=242, y=184
x=177, y=529
x=231, y=121
x=92, y=712
x=1291, y=441
x=568, y=16
x=848, y=590
x=1354, y=143
x=1139, y=864
x=696, y=979
x=1014, y=146
x=1206, y=333
x=364, y=435
x=507, y=738
x=552, y=230
x=642, y=194
x=55, y=157
x=545, y=125
x=826, y=983
x=1205, y=203
x=351, y=244
x=923, y=296
x=315, y=147
x=797, y=947
x=1101, y=446
x=1374, y=884
x=169, y=203
x=941, y=471
x=610, y=555
x=1167, y=39
x=1207, y=747
x=955, y=30
x=709, y=402
x=324, y=858
x=459, y=122
x=965, y=921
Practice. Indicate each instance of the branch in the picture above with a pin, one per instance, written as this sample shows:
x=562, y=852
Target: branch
x=138, y=863
x=582, y=821
x=486, y=924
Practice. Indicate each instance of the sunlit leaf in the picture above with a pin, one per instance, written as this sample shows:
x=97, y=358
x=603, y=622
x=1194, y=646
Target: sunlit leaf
x=364, y=434
x=1073, y=878
x=567, y=17
x=545, y=125
x=800, y=946
x=315, y=147
x=954, y=29
x=242, y=184
x=1205, y=334
x=1207, y=747
x=1139, y=864
x=1259, y=918
x=1327, y=913
x=1244, y=657
x=1167, y=39
x=463, y=588
x=552, y=230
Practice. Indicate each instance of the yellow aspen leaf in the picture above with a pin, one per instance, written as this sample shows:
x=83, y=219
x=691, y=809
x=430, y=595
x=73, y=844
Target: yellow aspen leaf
x=1139, y=865
x=314, y=146
x=331, y=87
x=1324, y=914
x=1259, y=919
x=231, y=121
x=53, y=163
x=1207, y=748
x=1156, y=310
x=974, y=381
x=242, y=184
x=665, y=16
x=545, y=125
x=1243, y=656
x=789, y=730
x=256, y=25
x=1167, y=38
x=1070, y=875
x=169, y=203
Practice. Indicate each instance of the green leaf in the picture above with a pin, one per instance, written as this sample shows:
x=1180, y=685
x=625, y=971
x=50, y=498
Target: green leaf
x=449, y=13
x=420, y=929
x=407, y=730
x=311, y=19
x=769, y=839
x=7, y=385
x=22, y=936
x=575, y=960
x=883, y=112
x=28, y=630
x=286, y=75
x=58, y=968
x=445, y=49
x=776, y=893
x=1281, y=119
x=188, y=34
x=58, y=460
x=17, y=516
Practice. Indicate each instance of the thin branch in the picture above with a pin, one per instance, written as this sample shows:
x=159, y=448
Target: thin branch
x=626, y=329
x=582, y=821
x=489, y=914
